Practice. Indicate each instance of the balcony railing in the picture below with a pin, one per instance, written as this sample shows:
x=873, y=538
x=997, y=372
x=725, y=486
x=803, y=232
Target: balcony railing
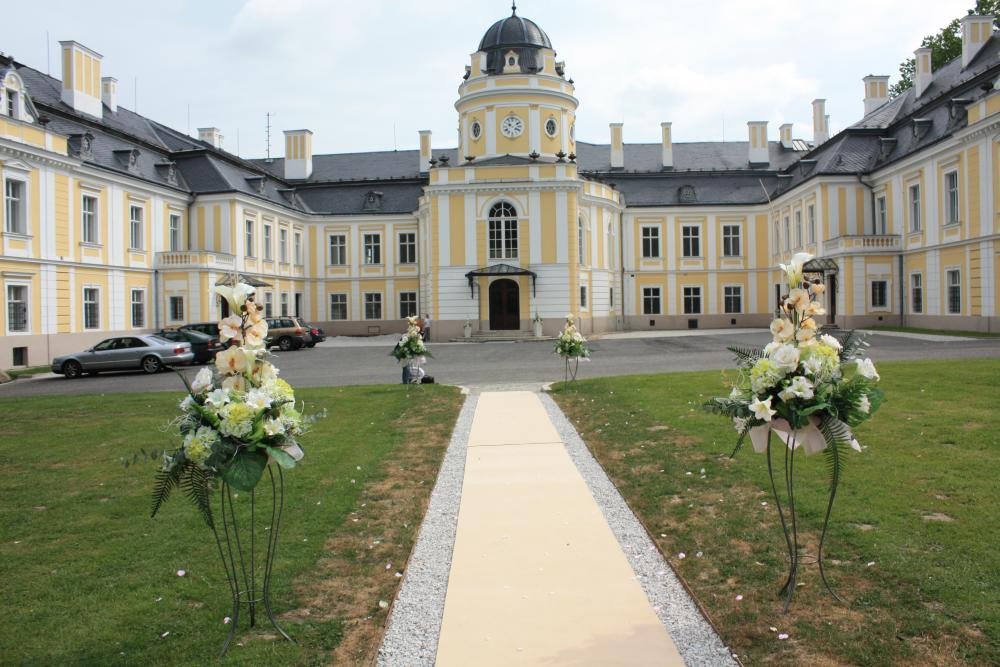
x=867, y=243
x=195, y=259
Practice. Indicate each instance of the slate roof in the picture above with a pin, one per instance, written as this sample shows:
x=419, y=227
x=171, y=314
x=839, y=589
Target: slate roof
x=718, y=172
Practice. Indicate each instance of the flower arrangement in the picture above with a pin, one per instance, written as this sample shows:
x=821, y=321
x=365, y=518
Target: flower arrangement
x=411, y=345
x=809, y=389
x=237, y=416
x=571, y=345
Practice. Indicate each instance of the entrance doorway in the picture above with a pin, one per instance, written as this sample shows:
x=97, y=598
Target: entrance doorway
x=505, y=305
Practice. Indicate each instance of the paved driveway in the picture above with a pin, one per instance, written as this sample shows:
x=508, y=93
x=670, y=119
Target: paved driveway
x=353, y=362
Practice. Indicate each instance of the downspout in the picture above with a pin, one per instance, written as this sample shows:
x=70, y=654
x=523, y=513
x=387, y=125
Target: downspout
x=902, y=294
x=156, y=299
x=621, y=267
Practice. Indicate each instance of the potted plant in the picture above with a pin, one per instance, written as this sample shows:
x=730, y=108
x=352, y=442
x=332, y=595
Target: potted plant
x=536, y=324
x=467, y=329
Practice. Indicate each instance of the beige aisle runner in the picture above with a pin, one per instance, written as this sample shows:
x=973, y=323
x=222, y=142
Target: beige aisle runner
x=537, y=577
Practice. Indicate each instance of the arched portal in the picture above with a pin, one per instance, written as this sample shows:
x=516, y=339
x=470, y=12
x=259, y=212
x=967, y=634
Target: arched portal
x=505, y=305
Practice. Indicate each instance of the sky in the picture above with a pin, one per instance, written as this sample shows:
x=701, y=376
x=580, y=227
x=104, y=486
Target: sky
x=369, y=75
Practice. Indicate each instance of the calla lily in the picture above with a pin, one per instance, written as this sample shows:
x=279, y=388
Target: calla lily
x=794, y=268
x=236, y=296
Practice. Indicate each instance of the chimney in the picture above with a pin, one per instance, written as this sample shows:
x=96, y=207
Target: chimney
x=758, y=142
x=668, y=147
x=617, y=147
x=210, y=135
x=922, y=74
x=298, y=154
x=109, y=93
x=81, y=78
x=876, y=92
x=976, y=31
x=425, y=151
x=785, y=135
x=821, y=122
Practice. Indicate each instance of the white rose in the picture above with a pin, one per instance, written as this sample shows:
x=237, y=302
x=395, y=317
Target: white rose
x=257, y=399
x=830, y=341
x=202, y=381
x=786, y=357
x=217, y=398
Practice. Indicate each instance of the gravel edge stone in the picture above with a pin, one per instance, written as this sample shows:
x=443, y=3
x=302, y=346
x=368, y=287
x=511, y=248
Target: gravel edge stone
x=414, y=626
x=695, y=638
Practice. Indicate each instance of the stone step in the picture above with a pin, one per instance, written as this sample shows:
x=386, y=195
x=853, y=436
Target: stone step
x=500, y=337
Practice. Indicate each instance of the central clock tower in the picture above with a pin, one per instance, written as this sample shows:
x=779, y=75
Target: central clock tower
x=515, y=98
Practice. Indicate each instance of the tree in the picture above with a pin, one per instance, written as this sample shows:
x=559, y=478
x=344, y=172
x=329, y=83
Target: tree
x=946, y=45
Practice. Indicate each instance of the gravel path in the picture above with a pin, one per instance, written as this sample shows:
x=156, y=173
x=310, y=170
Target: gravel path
x=411, y=637
x=696, y=640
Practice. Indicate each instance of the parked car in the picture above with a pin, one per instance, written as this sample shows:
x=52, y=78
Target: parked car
x=207, y=328
x=317, y=334
x=149, y=352
x=205, y=347
x=287, y=332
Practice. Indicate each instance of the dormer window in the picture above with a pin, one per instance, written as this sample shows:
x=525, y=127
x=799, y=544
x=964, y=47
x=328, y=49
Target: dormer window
x=11, y=103
x=373, y=201
x=511, y=62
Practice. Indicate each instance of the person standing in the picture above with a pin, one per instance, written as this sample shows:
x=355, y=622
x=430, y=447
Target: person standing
x=427, y=327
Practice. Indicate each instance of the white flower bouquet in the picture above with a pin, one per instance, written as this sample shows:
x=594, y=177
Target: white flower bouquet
x=237, y=417
x=571, y=345
x=411, y=345
x=811, y=390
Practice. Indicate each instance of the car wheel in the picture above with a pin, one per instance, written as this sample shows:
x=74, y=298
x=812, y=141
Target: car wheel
x=285, y=343
x=151, y=364
x=311, y=345
x=72, y=369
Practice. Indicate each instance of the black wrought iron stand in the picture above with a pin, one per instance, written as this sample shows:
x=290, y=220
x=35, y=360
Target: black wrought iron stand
x=570, y=373
x=789, y=525
x=240, y=558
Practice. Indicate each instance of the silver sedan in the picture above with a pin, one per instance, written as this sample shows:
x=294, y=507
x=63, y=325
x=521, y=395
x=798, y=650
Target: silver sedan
x=150, y=353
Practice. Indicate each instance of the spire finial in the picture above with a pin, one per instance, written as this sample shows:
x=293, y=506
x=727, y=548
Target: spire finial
x=513, y=8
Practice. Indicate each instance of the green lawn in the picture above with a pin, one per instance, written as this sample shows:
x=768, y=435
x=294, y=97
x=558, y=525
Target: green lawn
x=939, y=332
x=913, y=548
x=89, y=578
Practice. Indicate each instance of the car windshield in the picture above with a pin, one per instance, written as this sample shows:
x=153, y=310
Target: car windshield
x=105, y=344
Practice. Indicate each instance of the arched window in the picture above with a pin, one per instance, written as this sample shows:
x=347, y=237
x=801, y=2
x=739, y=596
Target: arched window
x=581, y=240
x=503, y=231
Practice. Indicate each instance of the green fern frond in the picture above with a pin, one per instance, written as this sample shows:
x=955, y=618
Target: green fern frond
x=746, y=356
x=838, y=438
x=726, y=406
x=854, y=345
x=197, y=485
x=165, y=482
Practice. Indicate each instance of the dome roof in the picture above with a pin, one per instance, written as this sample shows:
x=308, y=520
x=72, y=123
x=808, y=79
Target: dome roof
x=514, y=31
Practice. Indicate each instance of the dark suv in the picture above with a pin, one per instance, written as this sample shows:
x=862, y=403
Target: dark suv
x=287, y=332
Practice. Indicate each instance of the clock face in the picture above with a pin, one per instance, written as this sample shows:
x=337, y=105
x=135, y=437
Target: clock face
x=512, y=126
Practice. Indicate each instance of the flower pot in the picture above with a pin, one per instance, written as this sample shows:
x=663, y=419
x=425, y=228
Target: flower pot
x=467, y=330
x=537, y=326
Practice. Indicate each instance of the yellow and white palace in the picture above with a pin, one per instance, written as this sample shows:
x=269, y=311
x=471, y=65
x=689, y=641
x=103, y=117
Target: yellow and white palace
x=115, y=223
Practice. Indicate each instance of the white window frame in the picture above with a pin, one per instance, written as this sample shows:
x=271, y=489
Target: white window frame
x=97, y=306
x=132, y=304
x=581, y=242
x=283, y=245
x=366, y=301
x=21, y=226
x=798, y=228
x=788, y=234
x=502, y=240
x=175, y=235
x=283, y=305
x=267, y=240
x=341, y=248
x=696, y=293
x=688, y=240
x=414, y=301
x=729, y=239
x=880, y=222
x=947, y=290
x=136, y=226
x=268, y=304
x=27, y=307
x=915, y=287
x=583, y=298
x=410, y=256
x=913, y=203
x=171, y=300
x=652, y=292
x=297, y=247
x=650, y=234
x=371, y=248
x=347, y=312
x=738, y=295
x=249, y=225
x=90, y=231
x=882, y=307
x=811, y=222
x=952, y=199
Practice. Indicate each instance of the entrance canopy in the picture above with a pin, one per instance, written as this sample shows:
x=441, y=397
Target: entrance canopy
x=820, y=265
x=500, y=270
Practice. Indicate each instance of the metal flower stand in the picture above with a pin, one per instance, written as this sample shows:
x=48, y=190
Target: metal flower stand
x=789, y=524
x=241, y=558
